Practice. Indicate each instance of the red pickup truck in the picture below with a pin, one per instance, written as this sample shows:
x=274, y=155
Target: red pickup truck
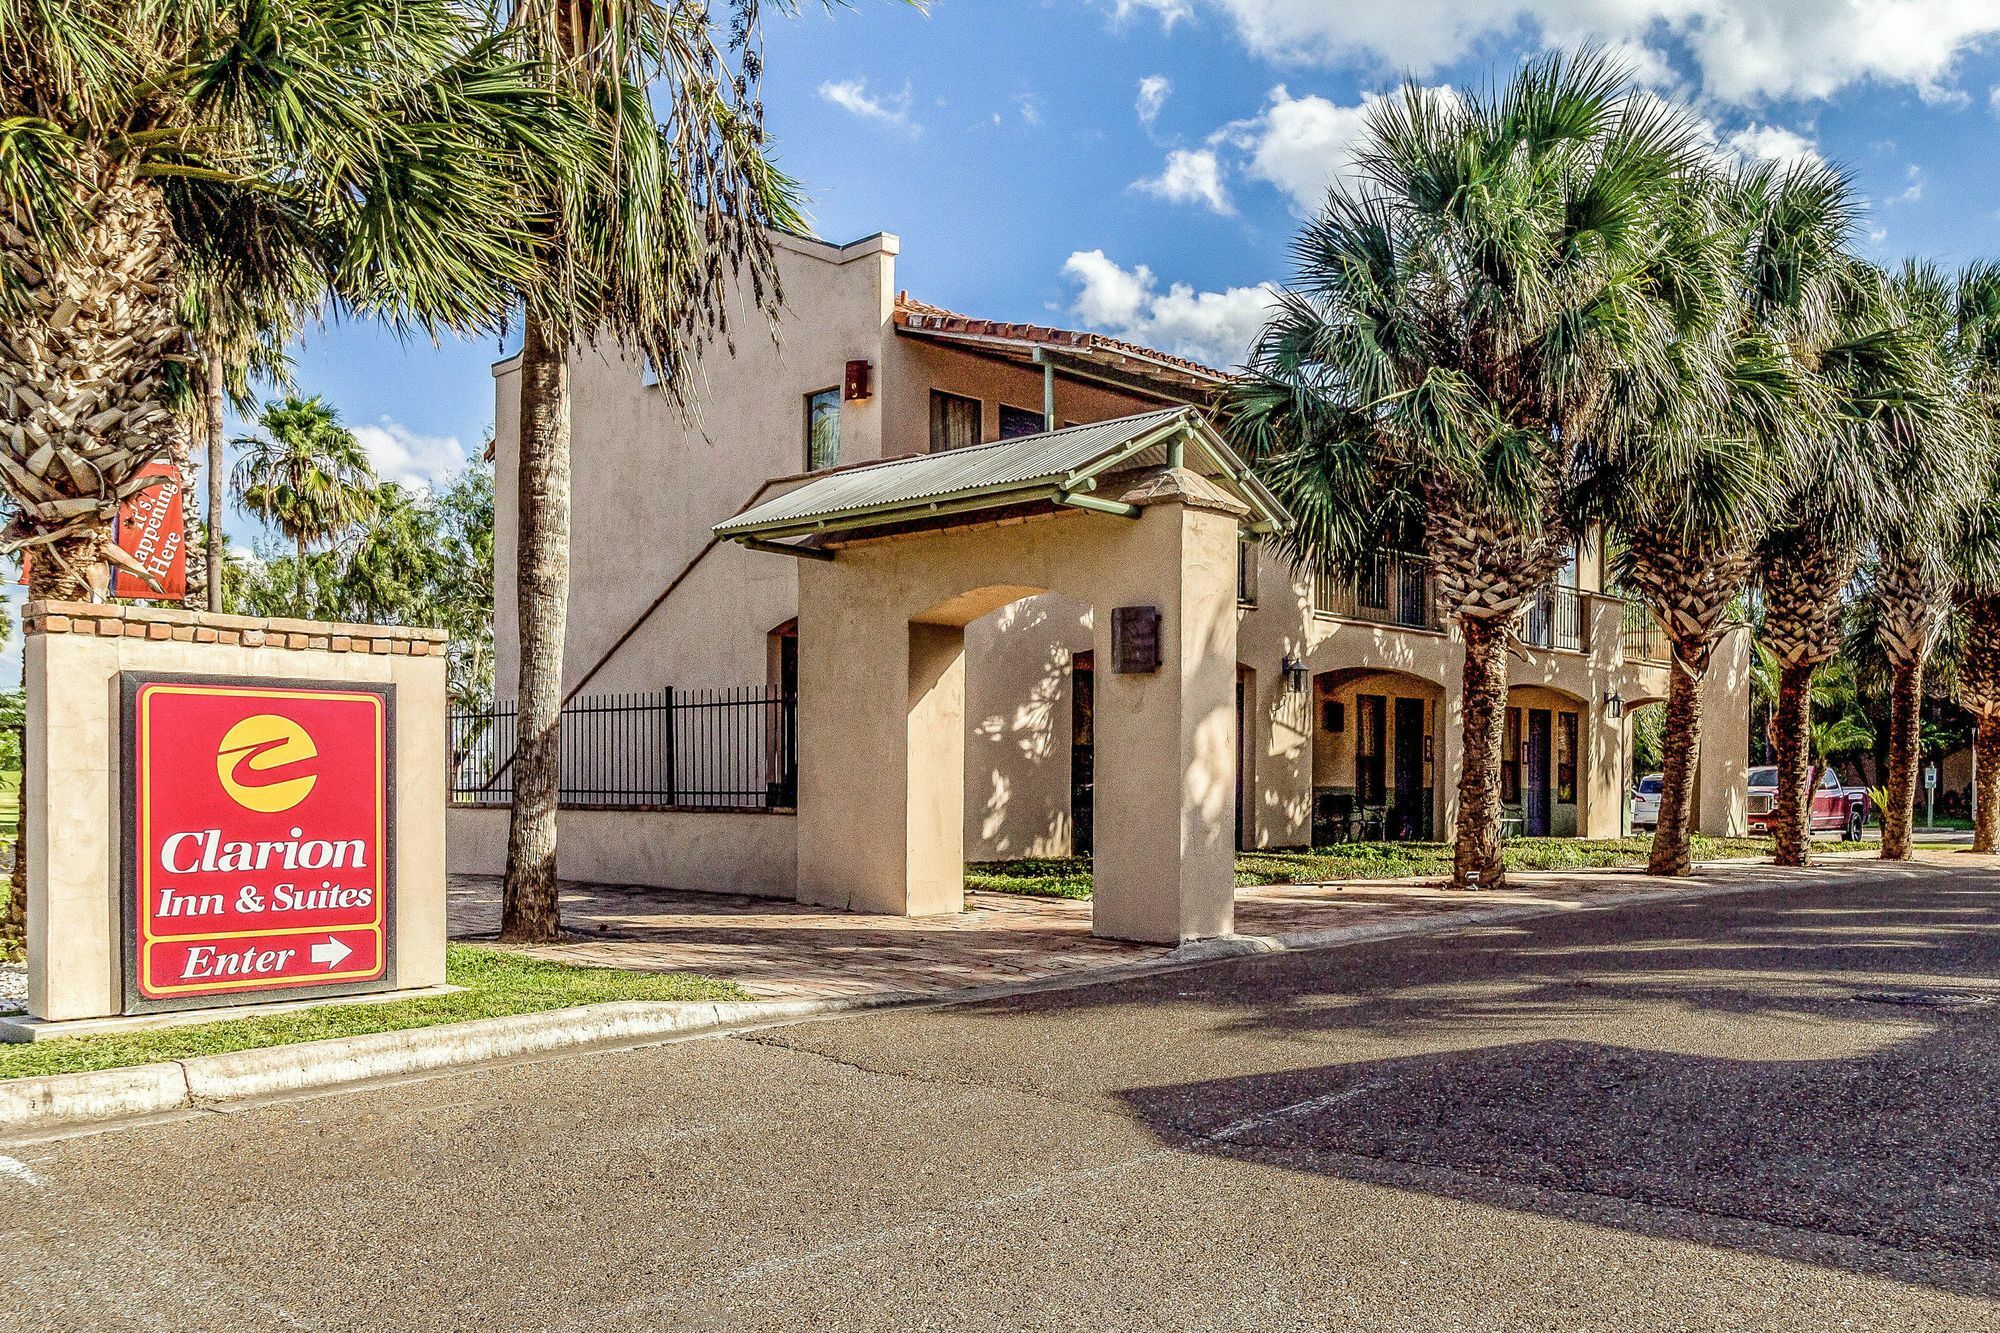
x=1836, y=808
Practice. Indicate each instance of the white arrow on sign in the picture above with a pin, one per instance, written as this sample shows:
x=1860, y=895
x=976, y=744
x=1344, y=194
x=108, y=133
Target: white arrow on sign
x=331, y=953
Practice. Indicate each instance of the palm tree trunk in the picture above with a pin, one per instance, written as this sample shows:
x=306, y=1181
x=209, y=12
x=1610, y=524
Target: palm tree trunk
x=302, y=585
x=1791, y=817
x=1986, y=783
x=529, y=909
x=1476, y=861
x=212, y=405
x=1672, y=851
x=1906, y=700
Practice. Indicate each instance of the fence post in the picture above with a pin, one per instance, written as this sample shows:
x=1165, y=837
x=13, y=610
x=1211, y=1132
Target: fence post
x=673, y=783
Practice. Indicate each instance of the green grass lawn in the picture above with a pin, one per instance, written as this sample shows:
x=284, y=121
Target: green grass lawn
x=1069, y=877
x=496, y=984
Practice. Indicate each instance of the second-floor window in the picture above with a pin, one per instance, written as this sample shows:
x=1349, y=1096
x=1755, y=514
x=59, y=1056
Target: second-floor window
x=1018, y=421
x=822, y=429
x=954, y=421
x=1246, y=573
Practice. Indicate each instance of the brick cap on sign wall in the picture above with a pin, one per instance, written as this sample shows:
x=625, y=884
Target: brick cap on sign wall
x=163, y=622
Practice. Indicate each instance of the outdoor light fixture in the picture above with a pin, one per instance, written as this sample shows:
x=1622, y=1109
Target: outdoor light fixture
x=858, y=384
x=1296, y=675
x=1614, y=705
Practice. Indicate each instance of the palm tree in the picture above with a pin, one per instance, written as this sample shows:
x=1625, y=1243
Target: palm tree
x=1884, y=394
x=306, y=475
x=1696, y=489
x=1455, y=329
x=644, y=249
x=1976, y=557
x=1931, y=508
x=148, y=146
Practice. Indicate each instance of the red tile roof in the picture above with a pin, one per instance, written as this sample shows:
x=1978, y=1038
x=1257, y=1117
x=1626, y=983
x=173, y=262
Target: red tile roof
x=922, y=317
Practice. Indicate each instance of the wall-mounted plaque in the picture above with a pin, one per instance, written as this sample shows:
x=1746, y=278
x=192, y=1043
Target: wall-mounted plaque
x=1135, y=640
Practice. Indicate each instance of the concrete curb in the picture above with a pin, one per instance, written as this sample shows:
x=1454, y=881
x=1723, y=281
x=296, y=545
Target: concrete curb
x=58, y=1102
x=62, y=1101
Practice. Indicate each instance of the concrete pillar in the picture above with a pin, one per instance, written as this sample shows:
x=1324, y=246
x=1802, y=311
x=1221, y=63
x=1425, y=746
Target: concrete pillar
x=934, y=851
x=1721, y=794
x=1166, y=740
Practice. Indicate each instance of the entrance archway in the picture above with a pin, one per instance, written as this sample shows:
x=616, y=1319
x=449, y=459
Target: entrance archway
x=903, y=555
x=1376, y=741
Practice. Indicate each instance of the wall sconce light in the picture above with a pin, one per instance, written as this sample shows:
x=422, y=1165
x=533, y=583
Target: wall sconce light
x=1614, y=705
x=1297, y=678
x=857, y=385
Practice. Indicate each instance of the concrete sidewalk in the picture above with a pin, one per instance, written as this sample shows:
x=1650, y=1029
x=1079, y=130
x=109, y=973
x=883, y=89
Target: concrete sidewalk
x=783, y=951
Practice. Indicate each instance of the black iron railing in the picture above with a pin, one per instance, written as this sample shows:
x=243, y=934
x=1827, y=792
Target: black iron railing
x=1645, y=638
x=1554, y=619
x=1390, y=588
x=727, y=749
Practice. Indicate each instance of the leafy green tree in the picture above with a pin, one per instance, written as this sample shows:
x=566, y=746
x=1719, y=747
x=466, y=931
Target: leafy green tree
x=158, y=153
x=306, y=475
x=644, y=249
x=1490, y=296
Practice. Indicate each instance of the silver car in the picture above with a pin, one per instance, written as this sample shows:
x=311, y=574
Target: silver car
x=1646, y=802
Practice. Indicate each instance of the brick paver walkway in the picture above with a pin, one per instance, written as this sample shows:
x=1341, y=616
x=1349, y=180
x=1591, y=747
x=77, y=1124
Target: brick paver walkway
x=781, y=950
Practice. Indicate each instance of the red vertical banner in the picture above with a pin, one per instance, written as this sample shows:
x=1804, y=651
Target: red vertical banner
x=152, y=530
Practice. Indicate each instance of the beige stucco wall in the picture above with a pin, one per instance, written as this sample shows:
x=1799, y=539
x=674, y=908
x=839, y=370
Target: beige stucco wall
x=75, y=776
x=751, y=853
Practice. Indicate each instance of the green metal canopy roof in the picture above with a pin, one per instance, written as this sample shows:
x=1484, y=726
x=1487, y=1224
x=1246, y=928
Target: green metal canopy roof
x=1060, y=466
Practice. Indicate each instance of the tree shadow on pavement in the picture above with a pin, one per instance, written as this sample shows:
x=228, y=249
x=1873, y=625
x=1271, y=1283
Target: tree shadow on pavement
x=1819, y=1081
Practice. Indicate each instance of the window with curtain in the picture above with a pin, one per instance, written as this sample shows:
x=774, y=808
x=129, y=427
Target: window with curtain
x=822, y=429
x=954, y=421
x=1566, y=733
x=1510, y=759
x=1371, y=726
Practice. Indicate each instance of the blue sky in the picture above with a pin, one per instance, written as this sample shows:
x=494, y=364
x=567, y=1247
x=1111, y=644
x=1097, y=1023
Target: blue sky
x=1139, y=166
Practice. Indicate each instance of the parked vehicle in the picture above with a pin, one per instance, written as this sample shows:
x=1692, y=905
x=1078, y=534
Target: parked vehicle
x=1836, y=807
x=1646, y=803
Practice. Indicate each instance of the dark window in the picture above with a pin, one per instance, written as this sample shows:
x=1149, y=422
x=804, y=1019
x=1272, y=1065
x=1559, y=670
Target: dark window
x=1246, y=573
x=954, y=421
x=822, y=429
x=1371, y=728
x=1510, y=759
x=1565, y=758
x=1018, y=421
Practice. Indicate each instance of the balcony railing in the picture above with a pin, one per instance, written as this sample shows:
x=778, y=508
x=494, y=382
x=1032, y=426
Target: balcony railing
x=1554, y=619
x=1645, y=639
x=1391, y=588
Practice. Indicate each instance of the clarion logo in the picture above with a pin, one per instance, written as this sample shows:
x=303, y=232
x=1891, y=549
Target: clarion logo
x=253, y=748
x=204, y=850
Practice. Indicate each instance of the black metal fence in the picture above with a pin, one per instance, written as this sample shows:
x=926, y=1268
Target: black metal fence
x=726, y=749
x=1390, y=588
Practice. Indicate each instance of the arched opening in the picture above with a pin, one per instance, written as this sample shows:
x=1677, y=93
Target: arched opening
x=1641, y=756
x=1375, y=756
x=1542, y=757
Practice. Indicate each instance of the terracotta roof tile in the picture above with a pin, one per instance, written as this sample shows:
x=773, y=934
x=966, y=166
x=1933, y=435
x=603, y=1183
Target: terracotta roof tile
x=922, y=315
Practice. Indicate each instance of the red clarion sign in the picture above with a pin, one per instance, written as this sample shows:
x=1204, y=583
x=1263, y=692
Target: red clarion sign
x=258, y=841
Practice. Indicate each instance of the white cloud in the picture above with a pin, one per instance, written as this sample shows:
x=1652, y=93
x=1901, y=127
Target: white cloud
x=1771, y=143
x=1154, y=90
x=1913, y=190
x=1192, y=175
x=1217, y=328
x=1744, y=51
x=1030, y=107
x=1169, y=12
x=401, y=455
x=1303, y=145
x=852, y=96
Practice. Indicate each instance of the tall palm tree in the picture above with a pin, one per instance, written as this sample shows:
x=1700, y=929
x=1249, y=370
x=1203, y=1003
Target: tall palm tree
x=1453, y=335
x=306, y=475
x=377, y=145
x=1696, y=488
x=644, y=249
x=1976, y=557
x=1885, y=394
